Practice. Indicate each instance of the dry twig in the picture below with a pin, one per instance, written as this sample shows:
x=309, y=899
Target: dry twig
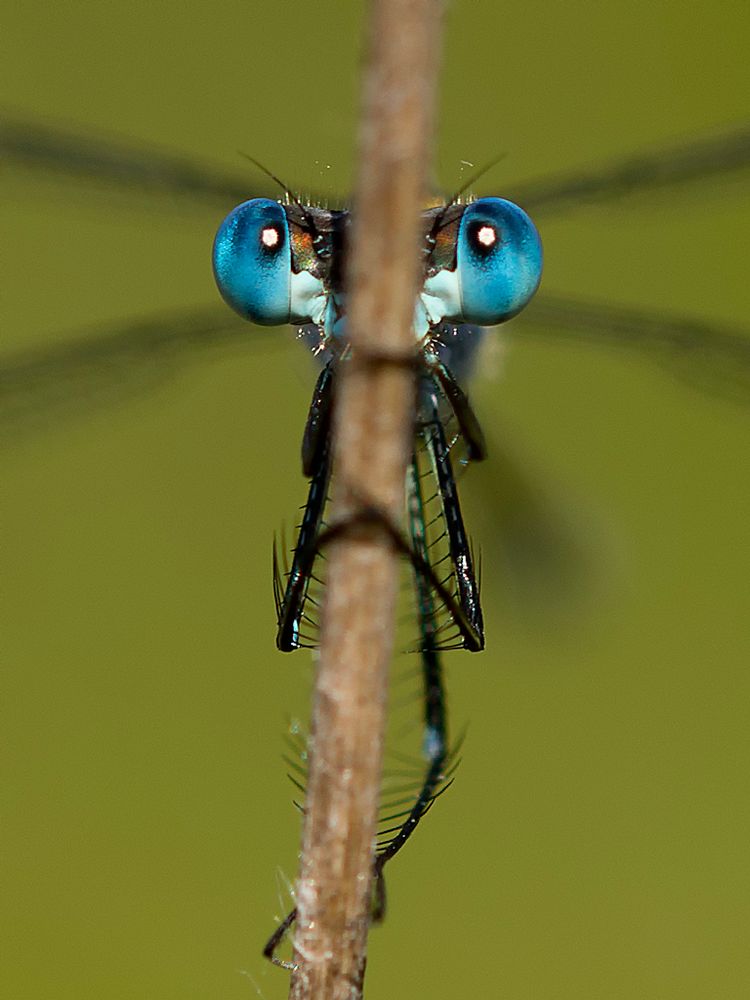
x=373, y=435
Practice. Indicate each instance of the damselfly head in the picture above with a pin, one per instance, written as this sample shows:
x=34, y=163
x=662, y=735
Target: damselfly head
x=277, y=264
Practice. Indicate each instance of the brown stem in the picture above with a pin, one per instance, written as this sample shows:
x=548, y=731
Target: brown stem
x=372, y=440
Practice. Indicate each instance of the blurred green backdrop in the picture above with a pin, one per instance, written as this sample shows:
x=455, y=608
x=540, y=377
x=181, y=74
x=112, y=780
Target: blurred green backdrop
x=596, y=841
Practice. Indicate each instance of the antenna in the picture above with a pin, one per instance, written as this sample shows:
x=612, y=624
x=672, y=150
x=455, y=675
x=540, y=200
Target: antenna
x=284, y=187
x=475, y=177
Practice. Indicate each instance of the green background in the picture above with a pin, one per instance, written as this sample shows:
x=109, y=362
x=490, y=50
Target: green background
x=595, y=843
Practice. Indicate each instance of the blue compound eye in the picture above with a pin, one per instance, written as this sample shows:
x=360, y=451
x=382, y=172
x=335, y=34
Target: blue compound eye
x=498, y=259
x=252, y=262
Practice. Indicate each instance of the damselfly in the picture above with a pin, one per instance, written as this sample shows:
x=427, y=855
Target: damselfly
x=106, y=364
x=482, y=263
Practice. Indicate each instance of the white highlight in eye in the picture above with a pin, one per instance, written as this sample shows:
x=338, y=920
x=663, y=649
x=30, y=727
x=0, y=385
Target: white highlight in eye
x=487, y=236
x=270, y=237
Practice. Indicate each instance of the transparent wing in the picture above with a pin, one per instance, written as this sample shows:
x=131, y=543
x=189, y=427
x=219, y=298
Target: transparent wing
x=103, y=366
x=691, y=160
x=112, y=161
x=710, y=357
